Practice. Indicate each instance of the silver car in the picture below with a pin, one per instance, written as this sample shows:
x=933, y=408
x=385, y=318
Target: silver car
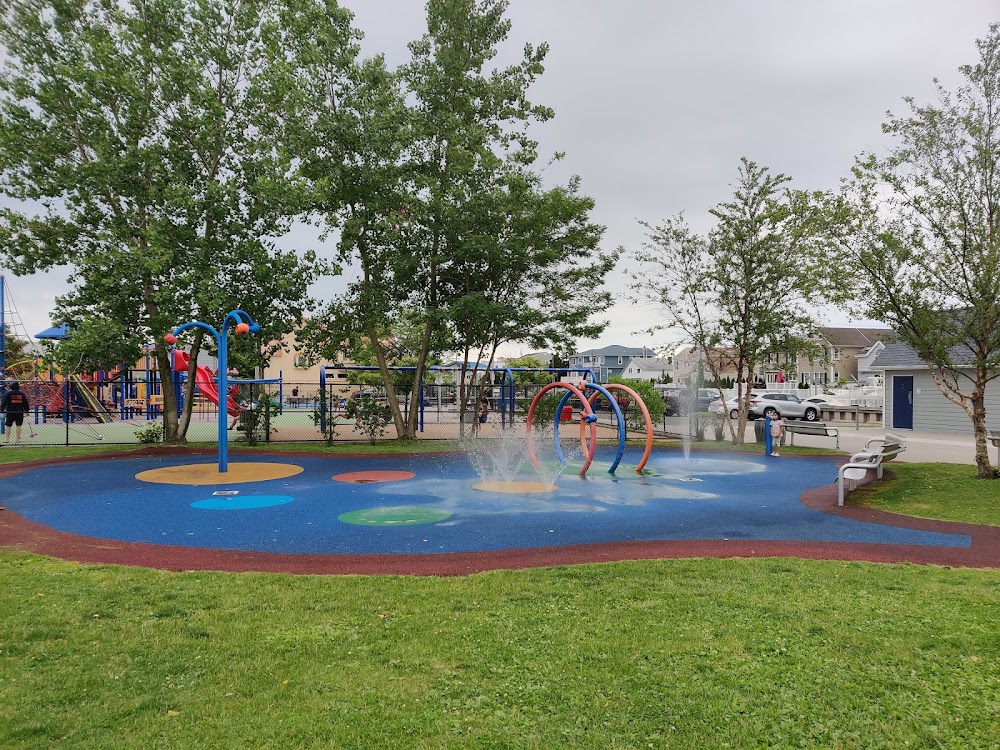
x=732, y=406
x=786, y=404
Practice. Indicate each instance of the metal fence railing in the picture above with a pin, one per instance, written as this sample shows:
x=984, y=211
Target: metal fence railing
x=75, y=411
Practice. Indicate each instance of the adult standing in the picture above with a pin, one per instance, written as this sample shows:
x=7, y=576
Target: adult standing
x=14, y=405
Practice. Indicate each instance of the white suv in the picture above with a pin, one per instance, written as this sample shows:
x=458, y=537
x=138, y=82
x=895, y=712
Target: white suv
x=785, y=404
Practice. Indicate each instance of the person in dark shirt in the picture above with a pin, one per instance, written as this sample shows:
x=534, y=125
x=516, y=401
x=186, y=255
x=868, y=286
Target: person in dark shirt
x=14, y=406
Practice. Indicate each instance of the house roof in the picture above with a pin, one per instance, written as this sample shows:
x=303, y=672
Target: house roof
x=860, y=338
x=650, y=363
x=899, y=356
x=615, y=350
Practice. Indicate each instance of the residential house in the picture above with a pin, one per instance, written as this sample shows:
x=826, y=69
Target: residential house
x=296, y=369
x=914, y=402
x=607, y=362
x=847, y=353
x=653, y=369
x=687, y=360
x=850, y=353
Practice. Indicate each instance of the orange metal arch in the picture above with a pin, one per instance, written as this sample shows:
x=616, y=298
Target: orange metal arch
x=645, y=415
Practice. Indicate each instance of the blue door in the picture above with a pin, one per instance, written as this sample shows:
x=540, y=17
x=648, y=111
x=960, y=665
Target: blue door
x=902, y=402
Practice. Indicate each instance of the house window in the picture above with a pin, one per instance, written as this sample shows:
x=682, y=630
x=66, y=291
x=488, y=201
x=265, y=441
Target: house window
x=836, y=354
x=602, y=360
x=620, y=361
x=301, y=361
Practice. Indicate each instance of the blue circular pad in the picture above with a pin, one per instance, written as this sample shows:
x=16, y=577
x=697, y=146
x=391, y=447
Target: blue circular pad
x=241, y=502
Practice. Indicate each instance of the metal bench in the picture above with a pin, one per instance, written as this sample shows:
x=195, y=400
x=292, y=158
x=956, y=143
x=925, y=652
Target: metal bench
x=877, y=452
x=811, y=428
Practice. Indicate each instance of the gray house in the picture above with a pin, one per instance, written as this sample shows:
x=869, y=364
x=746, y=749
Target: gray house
x=609, y=361
x=914, y=402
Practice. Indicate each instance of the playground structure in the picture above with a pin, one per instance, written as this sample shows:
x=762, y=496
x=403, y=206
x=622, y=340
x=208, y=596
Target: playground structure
x=204, y=382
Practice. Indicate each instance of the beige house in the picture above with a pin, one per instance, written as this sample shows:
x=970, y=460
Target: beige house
x=847, y=353
x=297, y=370
x=850, y=352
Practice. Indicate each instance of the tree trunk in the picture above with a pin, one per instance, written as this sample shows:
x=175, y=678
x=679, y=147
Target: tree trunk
x=163, y=366
x=390, y=391
x=984, y=469
x=418, y=381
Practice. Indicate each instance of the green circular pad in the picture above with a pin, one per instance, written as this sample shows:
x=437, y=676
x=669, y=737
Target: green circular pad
x=396, y=515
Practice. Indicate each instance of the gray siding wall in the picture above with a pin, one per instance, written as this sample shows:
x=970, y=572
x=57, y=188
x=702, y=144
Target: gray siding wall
x=932, y=412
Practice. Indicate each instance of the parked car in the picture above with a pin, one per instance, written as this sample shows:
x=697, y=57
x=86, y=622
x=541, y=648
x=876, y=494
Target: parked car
x=673, y=404
x=682, y=399
x=786, y=404
x=730, y=407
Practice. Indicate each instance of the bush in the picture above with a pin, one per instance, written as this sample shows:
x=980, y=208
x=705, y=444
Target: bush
x=151, y=433
x=255, y=420
x=718, y=424
x=370, y=416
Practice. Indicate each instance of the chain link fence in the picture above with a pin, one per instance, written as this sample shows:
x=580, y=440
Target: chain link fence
x=76, y=411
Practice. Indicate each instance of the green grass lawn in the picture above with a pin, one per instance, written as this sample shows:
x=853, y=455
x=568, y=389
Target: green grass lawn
x=773, y=653
x=948, y=492
x=680, y=654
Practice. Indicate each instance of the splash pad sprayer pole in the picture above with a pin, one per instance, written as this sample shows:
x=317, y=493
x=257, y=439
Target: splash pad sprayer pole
x=242, y=325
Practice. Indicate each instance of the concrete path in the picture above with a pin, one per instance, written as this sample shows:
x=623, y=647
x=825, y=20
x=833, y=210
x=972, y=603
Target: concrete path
x=921, y=447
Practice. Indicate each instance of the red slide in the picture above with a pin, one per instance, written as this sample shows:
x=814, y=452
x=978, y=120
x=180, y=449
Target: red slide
x=205, y=382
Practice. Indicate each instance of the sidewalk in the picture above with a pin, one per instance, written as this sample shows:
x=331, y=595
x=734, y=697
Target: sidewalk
x=921, y=447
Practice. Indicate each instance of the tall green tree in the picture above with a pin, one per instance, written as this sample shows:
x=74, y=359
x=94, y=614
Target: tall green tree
x=537, y=277
x=923, y=233
x=453, y=227
x=747, y=290
x=149, y=132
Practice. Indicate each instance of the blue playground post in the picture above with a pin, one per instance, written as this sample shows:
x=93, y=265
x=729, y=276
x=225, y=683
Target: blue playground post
x=222, y=339
x=768, y=447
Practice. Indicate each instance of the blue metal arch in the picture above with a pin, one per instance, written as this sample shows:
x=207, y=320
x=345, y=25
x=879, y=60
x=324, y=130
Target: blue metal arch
x=593, y=418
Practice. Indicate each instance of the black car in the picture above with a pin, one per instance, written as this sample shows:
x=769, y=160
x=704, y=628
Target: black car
x=680, y=401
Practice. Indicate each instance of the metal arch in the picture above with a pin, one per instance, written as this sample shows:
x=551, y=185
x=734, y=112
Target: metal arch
x=587, y=416
x=645, y=415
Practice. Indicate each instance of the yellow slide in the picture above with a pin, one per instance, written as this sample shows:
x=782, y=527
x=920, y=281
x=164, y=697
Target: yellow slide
x=95, y=406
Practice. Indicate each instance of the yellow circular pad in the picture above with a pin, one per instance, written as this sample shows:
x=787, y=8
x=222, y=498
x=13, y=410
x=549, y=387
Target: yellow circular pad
x=514, y=488
x=209, y=473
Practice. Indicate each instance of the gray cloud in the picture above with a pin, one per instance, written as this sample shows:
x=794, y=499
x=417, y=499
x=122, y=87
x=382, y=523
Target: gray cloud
x=657, y=100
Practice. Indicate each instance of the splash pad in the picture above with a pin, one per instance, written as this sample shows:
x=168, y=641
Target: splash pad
x=501, y=461
x=523, y=499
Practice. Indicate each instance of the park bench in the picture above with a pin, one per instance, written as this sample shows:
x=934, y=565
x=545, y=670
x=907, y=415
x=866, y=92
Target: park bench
x=877, y=452
x=811, y=428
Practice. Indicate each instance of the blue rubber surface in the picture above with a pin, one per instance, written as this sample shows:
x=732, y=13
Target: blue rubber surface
x=710, y=496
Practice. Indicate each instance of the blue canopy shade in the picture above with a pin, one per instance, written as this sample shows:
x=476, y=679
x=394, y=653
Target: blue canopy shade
x=59, y=332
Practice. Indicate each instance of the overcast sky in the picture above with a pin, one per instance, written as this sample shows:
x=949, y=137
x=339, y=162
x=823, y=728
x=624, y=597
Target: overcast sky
x=657, y=100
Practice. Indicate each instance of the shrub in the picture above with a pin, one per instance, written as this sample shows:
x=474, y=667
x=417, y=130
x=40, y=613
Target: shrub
x=151, y=433
x=370, y=416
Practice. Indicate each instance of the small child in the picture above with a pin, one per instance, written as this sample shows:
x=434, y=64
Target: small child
x=777, y=433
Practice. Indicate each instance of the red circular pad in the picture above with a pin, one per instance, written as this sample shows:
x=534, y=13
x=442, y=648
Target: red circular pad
x=373, y=476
